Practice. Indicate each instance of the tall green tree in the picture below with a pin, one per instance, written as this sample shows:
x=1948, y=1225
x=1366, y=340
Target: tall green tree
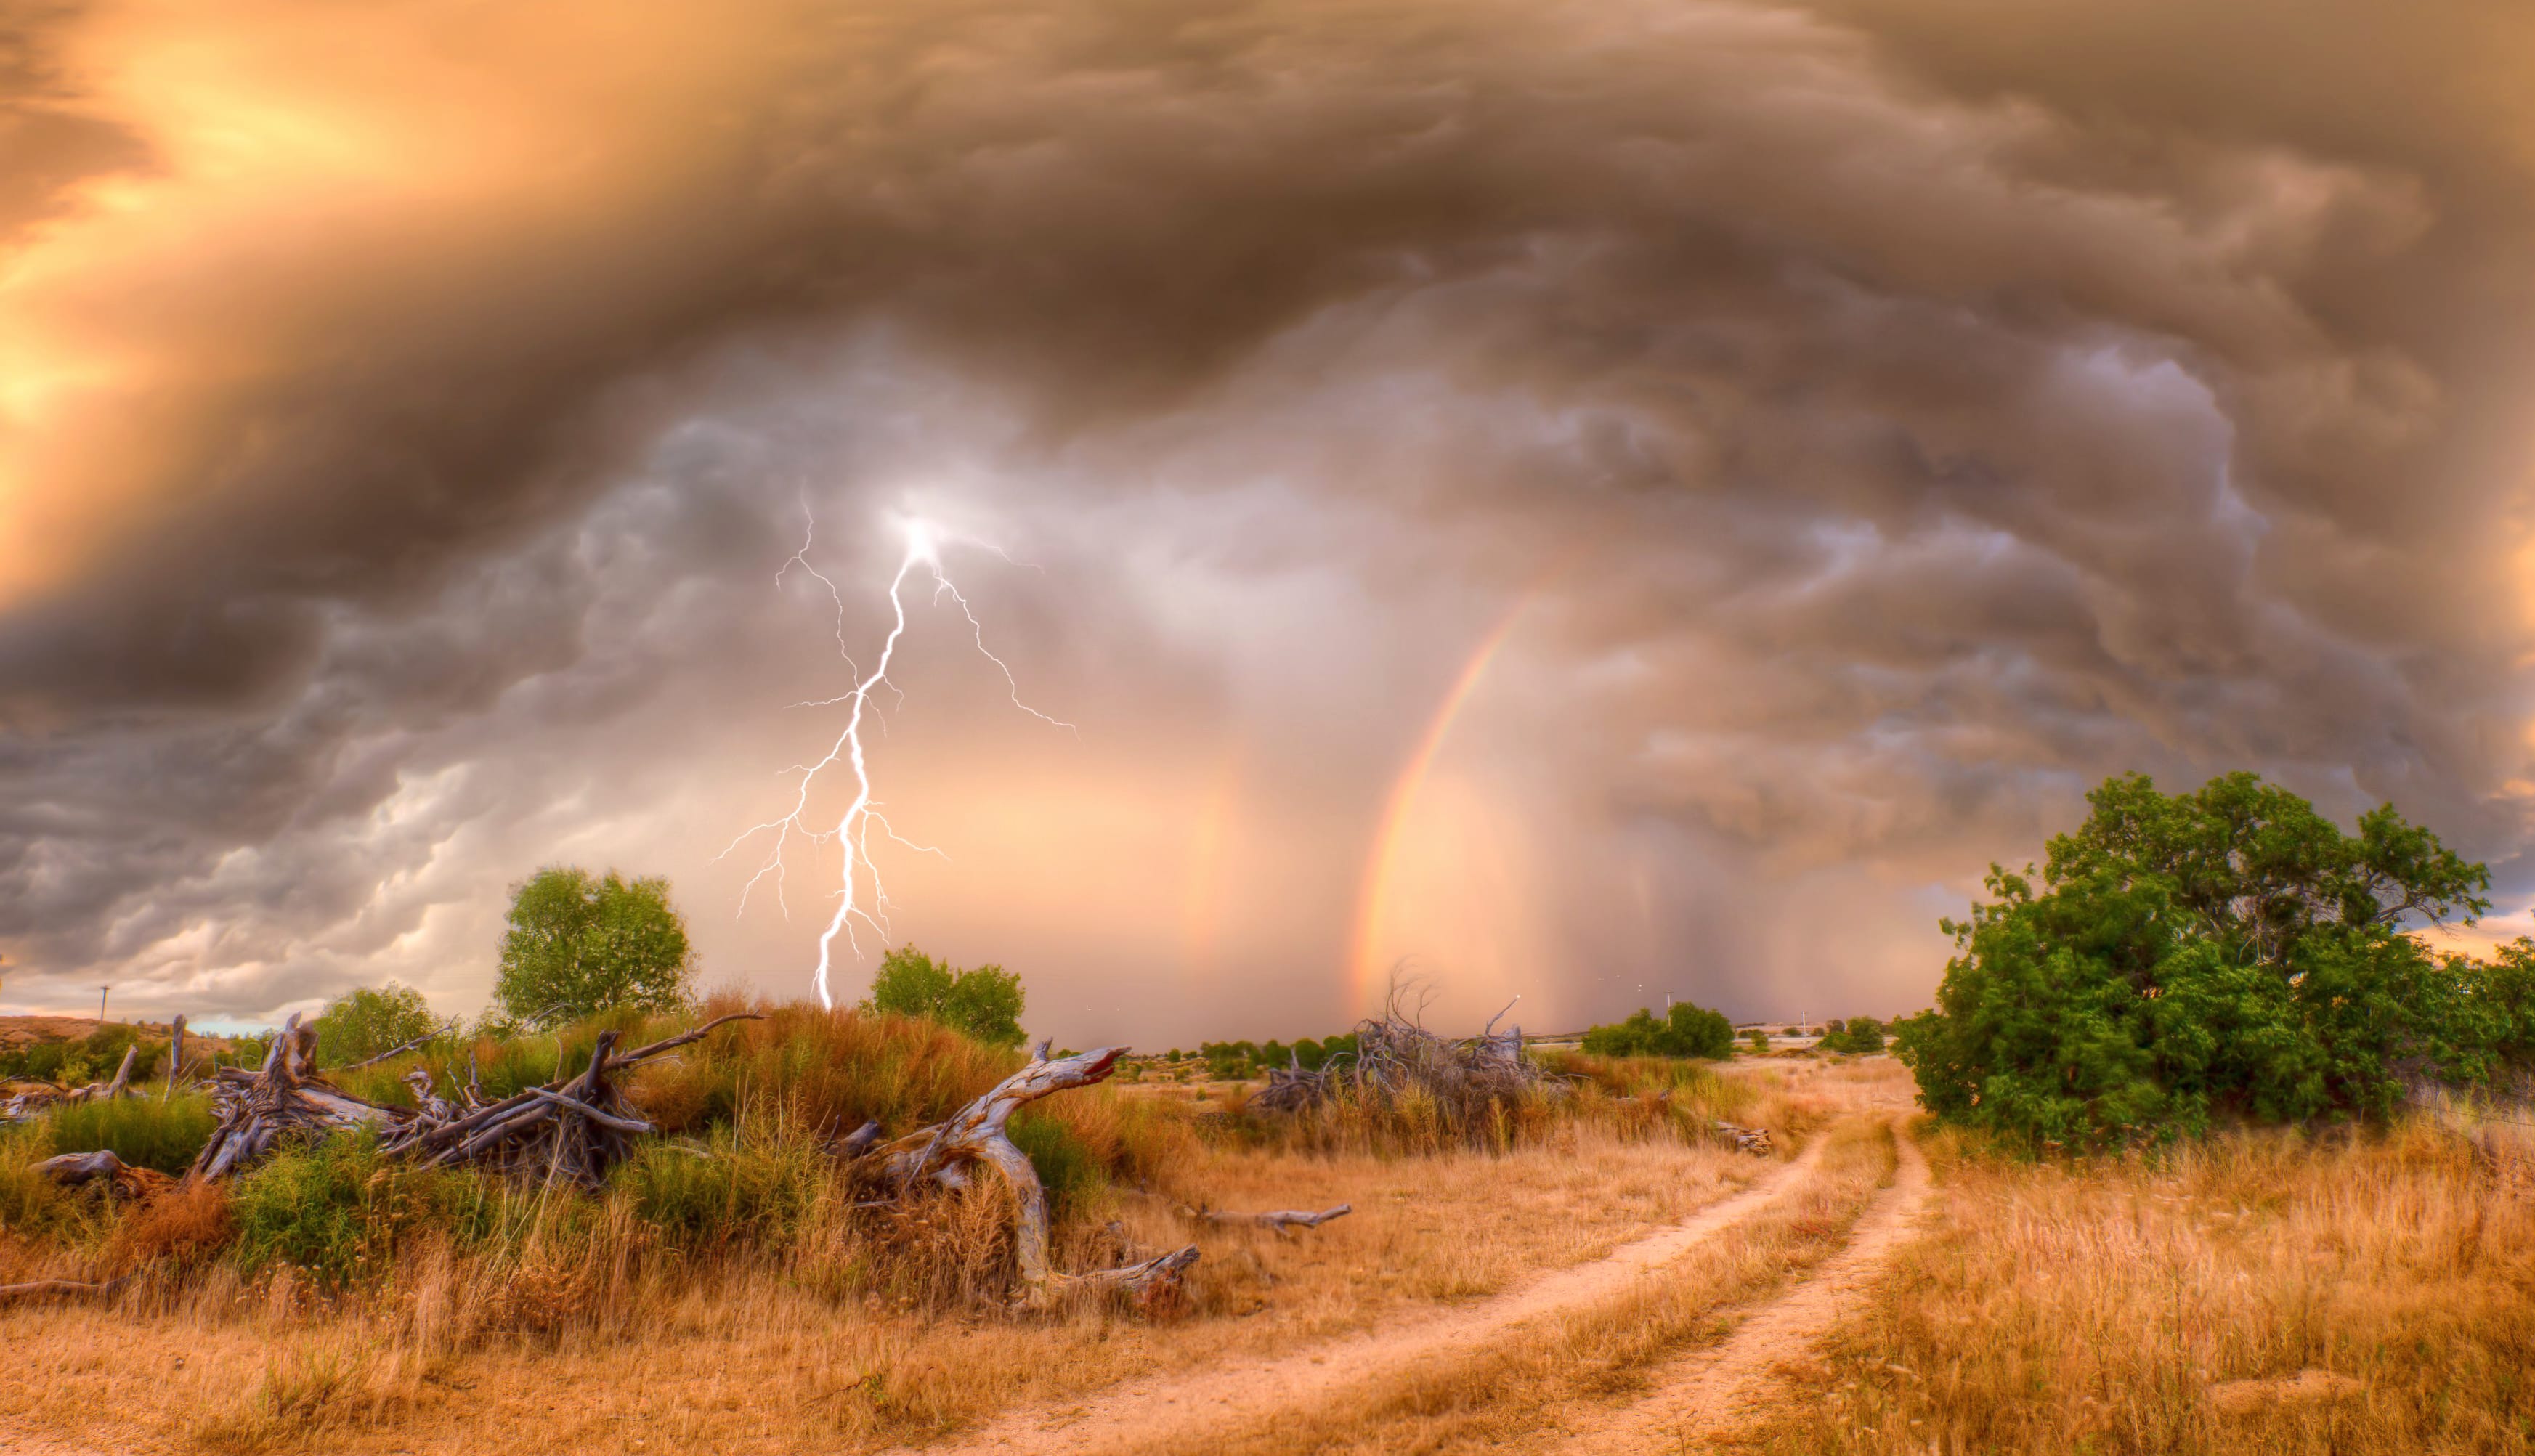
x=2227, y=951
x=366, y=1021
x=983, y=1003
x=577, y=945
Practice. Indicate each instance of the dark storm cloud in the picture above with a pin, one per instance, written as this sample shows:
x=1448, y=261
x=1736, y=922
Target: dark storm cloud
x=1912, y=424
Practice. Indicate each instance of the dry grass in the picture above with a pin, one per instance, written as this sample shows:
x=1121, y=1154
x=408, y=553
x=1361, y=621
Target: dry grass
x=1512, y=1391
x=584, y=1321
x=2091, y=1306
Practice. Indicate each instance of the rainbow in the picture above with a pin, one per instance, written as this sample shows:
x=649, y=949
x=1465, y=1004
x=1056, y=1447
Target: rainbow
x=1367, y=971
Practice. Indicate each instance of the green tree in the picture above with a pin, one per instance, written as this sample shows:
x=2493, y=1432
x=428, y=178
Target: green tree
x=1862, y=1035
x=2227, y=951
x=578, y=945
x=983, y=1003
x=364, y=1022
x=1684, y=1030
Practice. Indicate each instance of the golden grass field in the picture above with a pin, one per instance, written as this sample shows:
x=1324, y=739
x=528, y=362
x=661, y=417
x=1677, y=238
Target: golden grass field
x=2147, y=1304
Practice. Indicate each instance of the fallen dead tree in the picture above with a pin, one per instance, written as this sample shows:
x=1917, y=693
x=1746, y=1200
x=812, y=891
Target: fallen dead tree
x=1282, y=1223
x=947, y=1153
x=35, y=1101
x=1744, y=1140
x=574, y=1131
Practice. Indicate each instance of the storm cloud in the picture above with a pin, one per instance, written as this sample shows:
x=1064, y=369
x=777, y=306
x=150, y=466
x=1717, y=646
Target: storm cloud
x=1863, y=426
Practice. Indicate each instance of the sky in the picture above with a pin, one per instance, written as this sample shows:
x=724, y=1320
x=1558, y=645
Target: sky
x=1581, y=501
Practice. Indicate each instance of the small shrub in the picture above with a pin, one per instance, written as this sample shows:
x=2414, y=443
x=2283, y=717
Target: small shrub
x=338, y=1209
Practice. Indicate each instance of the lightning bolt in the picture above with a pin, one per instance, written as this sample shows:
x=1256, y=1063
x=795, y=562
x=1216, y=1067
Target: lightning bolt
x=852, y=830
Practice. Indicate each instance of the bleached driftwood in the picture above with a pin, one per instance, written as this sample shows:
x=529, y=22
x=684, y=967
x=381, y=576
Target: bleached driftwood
x=947, y=1152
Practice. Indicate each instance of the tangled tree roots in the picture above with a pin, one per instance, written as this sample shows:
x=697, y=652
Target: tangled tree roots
x=946, y=1153
x=284, y=1098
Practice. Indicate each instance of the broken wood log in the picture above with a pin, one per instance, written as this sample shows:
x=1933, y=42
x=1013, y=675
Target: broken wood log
x=944, y=1153
x=1283, y=1222
x=1755, y=1141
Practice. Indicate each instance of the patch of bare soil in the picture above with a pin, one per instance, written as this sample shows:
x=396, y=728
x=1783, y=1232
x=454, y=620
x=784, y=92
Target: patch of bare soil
x=1705, y=1393
x=1146, y=1412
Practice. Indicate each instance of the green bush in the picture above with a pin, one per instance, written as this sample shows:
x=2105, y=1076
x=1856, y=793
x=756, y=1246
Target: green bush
x=338, y=1209
x=1861, y=1035
x=142, y=1131
x=1685, y=1030
x=2228, y=952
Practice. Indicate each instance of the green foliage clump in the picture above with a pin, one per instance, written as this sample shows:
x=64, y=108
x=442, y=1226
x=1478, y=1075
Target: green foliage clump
x=1758, y=1037
x=1685, y=1030
x=739, y=1189
x=368, y=1021
x=579, y=946
x=142, y=1131
x=983, y=1003
x=338, y=1209
x=1065, y=1166
x=1861, y=1035
x=2223, y=952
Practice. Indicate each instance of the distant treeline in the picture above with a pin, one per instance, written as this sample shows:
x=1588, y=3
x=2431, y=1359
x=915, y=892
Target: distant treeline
x=1246, y=1059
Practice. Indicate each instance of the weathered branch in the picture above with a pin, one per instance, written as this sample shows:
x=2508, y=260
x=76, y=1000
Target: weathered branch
x=667, y=1044
x=424, y=1040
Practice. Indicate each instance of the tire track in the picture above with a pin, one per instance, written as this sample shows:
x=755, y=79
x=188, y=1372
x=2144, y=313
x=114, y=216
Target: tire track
x=1701, y=1395
x=1190, y=1405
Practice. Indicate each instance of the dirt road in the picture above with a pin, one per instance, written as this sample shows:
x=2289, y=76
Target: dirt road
x=1191, y=1405
x=1703, y=1393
